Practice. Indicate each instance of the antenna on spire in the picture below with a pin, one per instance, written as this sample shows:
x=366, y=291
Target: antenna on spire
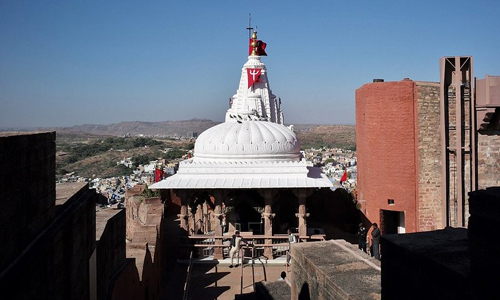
x=249, y=28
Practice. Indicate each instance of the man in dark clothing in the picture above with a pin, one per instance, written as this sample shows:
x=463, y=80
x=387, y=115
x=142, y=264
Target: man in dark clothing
x=376, y=241
x=362, y=237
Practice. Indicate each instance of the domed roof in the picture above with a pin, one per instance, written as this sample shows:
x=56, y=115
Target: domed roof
x=248, y=140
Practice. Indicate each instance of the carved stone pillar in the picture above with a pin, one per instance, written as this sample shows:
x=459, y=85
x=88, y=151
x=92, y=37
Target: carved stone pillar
x=191, y=221
x=198, y=219
x=302, y=215
x=218, y=216
x=268, y=216
x=184, y=211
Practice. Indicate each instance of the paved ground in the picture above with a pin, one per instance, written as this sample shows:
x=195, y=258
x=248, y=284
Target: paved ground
x=218, y=281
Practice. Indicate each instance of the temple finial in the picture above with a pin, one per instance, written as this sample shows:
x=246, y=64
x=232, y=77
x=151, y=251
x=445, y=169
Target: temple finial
x=254, y=43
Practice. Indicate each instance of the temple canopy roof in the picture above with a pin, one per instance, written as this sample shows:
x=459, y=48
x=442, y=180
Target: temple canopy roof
x=252, y=148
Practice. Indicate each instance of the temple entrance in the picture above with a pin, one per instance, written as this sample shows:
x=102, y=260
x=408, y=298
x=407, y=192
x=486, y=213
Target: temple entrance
x=244, y=211
x=285, y=205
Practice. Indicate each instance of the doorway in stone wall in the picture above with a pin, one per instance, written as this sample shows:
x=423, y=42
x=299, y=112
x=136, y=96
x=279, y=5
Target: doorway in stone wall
x=392, y=221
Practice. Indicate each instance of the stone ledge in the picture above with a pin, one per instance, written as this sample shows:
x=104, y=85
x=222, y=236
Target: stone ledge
x=334, y=270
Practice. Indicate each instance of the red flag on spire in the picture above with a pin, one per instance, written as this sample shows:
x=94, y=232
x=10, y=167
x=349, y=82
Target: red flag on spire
x=253, y=76
x=260, y=48
x=344, y=177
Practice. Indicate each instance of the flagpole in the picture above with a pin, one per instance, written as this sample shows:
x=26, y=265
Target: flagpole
x=249, y=28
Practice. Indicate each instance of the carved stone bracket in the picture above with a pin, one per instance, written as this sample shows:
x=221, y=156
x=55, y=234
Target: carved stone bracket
x=302, y=215
x=268, y=215
x=219, y=216
x=182, y=216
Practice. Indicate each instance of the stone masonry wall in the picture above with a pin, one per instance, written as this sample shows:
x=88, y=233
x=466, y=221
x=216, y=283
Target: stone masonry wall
x=429, y=156
x=145, y=240
x=56, y=263
x=333, y=270
x=488, y=157
x=110, y=248
x=28, y=190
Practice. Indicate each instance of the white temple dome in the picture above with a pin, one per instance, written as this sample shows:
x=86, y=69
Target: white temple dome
x=248, y=140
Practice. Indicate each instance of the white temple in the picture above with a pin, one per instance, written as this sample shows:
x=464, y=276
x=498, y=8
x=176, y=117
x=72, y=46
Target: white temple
x=251, y=150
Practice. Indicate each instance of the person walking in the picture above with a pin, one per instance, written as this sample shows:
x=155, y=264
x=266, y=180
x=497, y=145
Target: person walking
x=235, y=246
x=362, y=237
x=376, y=241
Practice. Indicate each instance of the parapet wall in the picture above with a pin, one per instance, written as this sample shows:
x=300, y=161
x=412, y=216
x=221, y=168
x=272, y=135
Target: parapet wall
x=55, y=265
x=333, y=270
x=144, y=218
x=110, y=248
x=426, y=265
x=28, y=190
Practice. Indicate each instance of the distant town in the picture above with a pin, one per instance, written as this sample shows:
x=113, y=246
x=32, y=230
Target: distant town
x=338, y=164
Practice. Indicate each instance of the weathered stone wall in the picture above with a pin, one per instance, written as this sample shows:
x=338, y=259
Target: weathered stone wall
x=145, y=236
x=28, y=190
x=386, y=148
x=429, y=164
x=333, y=270
x=110, y=248
x=488, y=157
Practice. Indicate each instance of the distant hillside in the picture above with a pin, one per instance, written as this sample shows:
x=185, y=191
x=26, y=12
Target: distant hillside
x=136, y=128
x=310, y=135
x=316, y=136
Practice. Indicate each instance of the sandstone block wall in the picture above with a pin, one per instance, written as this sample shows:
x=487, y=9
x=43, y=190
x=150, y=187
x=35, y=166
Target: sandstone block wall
x=56, y=264
x=488, y=157
x=110, y=248
x=28, y=190
x=429, y=166
x=333, y=270
x=145, y=244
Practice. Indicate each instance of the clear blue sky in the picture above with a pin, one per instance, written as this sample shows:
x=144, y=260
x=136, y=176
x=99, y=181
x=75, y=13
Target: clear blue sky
x=65, y=63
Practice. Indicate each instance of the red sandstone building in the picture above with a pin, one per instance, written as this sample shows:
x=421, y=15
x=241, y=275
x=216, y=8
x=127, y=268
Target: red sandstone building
x=416, y=164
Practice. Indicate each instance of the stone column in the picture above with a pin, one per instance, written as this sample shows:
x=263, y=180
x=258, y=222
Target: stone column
x=184, y=211
x=218, y=215
x=268, y=216
x=198, y=219
x=302, y=215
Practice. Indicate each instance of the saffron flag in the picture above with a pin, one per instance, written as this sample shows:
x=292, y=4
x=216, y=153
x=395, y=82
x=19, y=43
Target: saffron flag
x=344, y=177
x=253, y=76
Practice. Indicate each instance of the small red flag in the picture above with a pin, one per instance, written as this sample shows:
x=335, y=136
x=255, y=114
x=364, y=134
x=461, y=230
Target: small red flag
x=253, y=76
x=344, y=177
x=158, y=174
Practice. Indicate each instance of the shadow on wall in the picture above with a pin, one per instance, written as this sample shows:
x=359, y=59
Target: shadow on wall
x=304, y=292
x=336, y=211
